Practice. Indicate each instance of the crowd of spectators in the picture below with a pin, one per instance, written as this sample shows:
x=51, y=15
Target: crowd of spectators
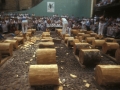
x=109, y=27
x=106, y=2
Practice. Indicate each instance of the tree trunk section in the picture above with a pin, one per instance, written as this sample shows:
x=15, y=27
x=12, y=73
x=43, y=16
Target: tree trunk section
x=110, y=48
x=47, y=40
x=43, y=75
x=117, y=55
x=107, y=74
x=78, y=46
x=85, y=35
x=13, y=42
x=20, y=40
x=89, y=57
x=6, y=49
x=109, y=39
x=46, y=45
x=46, y=56
x=98, y=43
x=89, y=39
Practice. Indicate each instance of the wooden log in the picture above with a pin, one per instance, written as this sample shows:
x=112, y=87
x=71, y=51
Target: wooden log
x=46, y=56
x=46, y=37
x=29, y=34
x=78, y=46
x=47, y=40
x=13, y=42
x=76, y=41
x=93, y=35
x=88, y=32
x=66, y=38
x=109, y=39
x=46, y=45
x=85, y=35
x=70, y=42
x=65, y=35
x=80, y=34
x=117, y=40
x=117, y=55
x=110, y=48
x=43, y=75
x=19, y=39
x=74, y=32
x=56, y=40
x=107, y=74
x=46, y=33
x=83, y=31
x=97, y=43
x=89, y=57
x=89, y=39
x=80, y=38
x=6, y=48
x=58, y=31
x=17, y=32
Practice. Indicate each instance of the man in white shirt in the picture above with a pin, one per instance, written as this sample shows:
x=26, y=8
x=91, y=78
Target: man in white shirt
x=65, y=24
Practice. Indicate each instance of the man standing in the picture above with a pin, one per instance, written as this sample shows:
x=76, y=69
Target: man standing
x=65, y=24
x=24, y=26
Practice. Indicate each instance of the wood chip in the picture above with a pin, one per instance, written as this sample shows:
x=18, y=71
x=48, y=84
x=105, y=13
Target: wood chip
x=33, y=55
x=87, y=85
x=67, y=53
x=27, y=62
x=101, y=56
x=73, y=76
x=61, y=67
x=31, y=60
x=16, y=75
x=85, y=81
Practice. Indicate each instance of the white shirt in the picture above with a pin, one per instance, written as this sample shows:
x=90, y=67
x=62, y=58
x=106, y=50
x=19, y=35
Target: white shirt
x=64, y=21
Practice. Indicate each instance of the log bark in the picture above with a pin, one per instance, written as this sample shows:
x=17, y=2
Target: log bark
x=66, y=39
x=117, y=55
x=107, y=74
x=43, y=75
x=89, y=39
x=89, y=57
x=109, y=39
x=83, y=31
x=20, y=40
x=80, y=34
x=46, y=56
x=29, y=34
x=74, y=32
x=13, y=42
x=93, y=35
x=97, y=43
x=65, y=35
x=85, y=35
x=78, y=46
x=88, y=32
x=70, y=42
x=58, y=31
x=6, y=48
x=47, y=40
x=46, y=45
x=46, y=37
x=80, y=38
x=110, y=48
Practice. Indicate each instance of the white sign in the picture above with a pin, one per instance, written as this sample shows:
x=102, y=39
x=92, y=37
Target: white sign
x=50, y=6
